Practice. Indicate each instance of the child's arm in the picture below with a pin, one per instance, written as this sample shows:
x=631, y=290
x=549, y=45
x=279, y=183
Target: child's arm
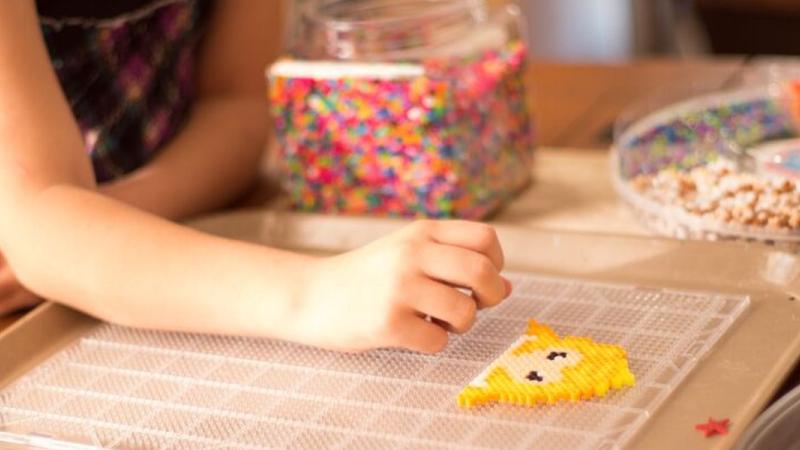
x=67, y=242
x=215, y=156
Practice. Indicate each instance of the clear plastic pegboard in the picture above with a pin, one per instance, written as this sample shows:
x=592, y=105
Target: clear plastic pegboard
x=122, y=388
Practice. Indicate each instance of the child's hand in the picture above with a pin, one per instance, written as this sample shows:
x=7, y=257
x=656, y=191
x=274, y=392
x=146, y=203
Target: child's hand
x=381, y=294
x=13, y=296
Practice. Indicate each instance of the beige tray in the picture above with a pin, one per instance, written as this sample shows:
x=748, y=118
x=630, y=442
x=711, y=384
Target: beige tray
x=735, y=380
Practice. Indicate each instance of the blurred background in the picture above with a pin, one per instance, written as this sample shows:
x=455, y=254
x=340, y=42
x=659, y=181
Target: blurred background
x=624, y=29
x=614, y=30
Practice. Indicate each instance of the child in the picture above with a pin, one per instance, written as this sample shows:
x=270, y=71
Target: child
x=86, y=201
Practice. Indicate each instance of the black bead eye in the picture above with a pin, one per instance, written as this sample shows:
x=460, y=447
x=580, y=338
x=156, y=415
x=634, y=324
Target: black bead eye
x=534, y=376
x=553, y=355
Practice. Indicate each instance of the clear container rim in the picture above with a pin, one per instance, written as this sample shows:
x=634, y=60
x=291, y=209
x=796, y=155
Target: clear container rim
x=434, y=9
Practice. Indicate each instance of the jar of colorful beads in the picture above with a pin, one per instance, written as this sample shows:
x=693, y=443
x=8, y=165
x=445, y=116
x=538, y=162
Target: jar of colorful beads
x=413, y=108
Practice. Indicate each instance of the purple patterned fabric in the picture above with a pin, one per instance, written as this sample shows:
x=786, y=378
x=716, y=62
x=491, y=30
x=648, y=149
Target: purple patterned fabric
x=128, y=78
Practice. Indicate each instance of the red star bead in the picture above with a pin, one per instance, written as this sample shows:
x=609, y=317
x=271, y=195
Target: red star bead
x=713, y=427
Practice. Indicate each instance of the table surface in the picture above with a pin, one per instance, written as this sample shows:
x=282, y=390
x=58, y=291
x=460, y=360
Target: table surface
x=574, y=106
x=7, y=321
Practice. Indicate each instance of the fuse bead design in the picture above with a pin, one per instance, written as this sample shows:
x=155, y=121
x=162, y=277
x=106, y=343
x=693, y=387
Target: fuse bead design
x=542, y=368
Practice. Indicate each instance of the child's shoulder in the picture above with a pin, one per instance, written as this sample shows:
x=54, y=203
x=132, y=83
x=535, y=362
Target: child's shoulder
x=107, y=13
x=97, y=9
x=126, y=68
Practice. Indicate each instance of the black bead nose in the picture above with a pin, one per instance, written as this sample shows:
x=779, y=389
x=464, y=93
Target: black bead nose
x=534, y=376
x=553, y=355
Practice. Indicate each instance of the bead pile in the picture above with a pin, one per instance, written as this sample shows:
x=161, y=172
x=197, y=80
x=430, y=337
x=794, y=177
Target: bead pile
x=681, y=159
x=719, y=193
x=542, y=368
x=698, y=136
x=453, y=142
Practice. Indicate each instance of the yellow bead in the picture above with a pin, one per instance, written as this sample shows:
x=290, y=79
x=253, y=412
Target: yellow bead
x=543, y=368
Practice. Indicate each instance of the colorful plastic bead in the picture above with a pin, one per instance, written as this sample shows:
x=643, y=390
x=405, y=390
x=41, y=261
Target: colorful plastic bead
x=542, y=368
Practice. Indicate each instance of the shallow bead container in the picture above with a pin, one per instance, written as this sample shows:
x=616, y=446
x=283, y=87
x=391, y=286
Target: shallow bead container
x=709, y=163
x=403, y=109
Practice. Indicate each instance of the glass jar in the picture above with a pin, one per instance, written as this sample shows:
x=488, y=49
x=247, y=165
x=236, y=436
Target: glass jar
x=413, y=108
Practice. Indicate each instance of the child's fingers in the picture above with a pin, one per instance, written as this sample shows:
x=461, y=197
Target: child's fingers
x=421, y=335
x=8, y=283
x=474, y=236
x=20, y=300
x=444, y=303
x=464, y=268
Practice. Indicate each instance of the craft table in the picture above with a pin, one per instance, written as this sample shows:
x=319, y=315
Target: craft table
x=5, y=322
x=575, y=106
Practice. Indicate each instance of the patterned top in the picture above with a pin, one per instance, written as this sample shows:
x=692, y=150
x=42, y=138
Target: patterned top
x=127, y=69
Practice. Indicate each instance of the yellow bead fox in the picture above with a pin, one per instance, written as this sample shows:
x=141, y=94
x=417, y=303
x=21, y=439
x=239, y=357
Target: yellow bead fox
x=542, y=368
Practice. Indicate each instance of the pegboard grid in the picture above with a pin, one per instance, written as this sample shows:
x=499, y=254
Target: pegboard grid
x=130, y=389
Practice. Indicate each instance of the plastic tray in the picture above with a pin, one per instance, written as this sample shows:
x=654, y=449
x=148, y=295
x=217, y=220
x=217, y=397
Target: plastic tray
x=129, y=389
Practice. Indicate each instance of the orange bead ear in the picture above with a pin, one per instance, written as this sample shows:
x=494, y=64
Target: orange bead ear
x=543, y=331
